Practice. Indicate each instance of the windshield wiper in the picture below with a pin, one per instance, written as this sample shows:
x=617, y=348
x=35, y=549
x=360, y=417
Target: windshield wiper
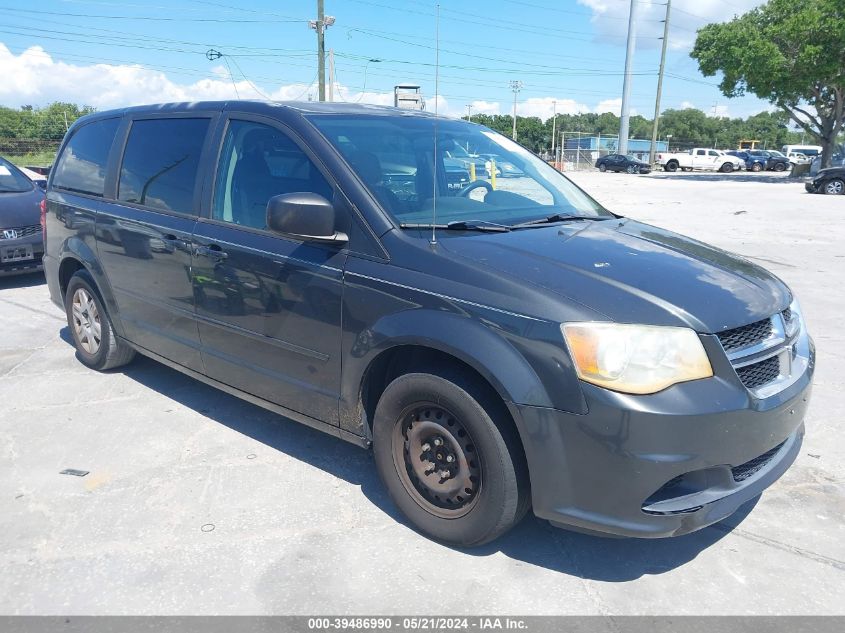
x=559, y=217
x=462, y=225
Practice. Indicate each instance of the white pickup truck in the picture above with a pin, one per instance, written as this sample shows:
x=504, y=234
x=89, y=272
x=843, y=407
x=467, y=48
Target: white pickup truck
x=699, y=158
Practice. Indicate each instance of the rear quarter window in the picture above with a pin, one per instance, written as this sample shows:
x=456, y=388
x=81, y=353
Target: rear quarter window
x=161, y=162
x=81, y=168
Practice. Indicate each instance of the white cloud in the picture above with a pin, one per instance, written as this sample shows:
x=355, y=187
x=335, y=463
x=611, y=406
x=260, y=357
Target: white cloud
x=544, y=107
x=610, y=18
x=614, y=106
x=687, y=104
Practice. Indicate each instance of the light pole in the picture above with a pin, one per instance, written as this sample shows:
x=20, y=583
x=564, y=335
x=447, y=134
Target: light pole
x=554, y=121
x=668, y=139
x=516, y=86
x=469, y=112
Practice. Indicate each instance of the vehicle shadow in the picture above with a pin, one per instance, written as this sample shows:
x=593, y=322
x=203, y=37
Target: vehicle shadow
x=533, y=541
x=27, y=280
x=771, y=177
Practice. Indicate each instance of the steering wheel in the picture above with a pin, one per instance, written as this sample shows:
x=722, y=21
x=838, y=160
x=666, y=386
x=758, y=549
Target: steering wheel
x=475, y=185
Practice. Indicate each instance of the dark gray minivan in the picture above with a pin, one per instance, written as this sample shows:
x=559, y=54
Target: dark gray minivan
x=501, y=344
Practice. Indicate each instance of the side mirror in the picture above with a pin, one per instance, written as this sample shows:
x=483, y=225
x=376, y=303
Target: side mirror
x=306, y=216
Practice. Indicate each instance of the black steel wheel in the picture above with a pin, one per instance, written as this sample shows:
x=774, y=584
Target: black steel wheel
x=780, y=167
x=436, y=460
x=450, y=458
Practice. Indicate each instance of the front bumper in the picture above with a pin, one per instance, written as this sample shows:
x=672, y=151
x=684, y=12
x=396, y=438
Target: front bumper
x=660, y=465
x=17, y=266
x=811, y=187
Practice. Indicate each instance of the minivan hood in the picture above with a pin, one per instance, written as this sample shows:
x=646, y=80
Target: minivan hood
x=632, y=272
x=20, y=208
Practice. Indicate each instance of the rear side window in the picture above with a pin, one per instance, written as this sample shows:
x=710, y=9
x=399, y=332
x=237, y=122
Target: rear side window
x=160, y=163
x=82, y=166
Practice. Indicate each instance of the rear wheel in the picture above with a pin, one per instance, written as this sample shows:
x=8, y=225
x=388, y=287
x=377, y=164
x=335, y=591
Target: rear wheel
x=92, y=332
x=779, y=166
x=835, y=187
x=672, y=165
x=726, y=168
x=450, y=458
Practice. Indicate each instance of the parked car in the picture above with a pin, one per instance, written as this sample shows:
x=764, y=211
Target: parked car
x=504, y=168
x=751, y=162
x=699, y=158
x=774, y=161
x=837, y=160
x=21, y=247
x=830, y=181
x=34, y=176
x=797, y=158
x=618, y=162
x=498, y=349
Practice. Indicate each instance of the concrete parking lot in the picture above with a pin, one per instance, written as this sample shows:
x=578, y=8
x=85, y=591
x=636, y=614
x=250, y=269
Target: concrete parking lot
x=197, y=502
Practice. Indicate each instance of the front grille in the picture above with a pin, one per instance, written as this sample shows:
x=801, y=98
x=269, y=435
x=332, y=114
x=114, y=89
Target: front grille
x=758, y=374
x=746, y=470
x=21, y=231
x=746, y=336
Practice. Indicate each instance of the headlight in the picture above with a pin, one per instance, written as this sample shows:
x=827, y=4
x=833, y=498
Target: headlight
x=637, y=359
x=793, y=324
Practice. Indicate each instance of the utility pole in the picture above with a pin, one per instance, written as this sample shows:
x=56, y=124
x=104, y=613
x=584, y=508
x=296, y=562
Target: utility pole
x=320, y=25
x=469, y=112
x=659, y=84
x=516, y=86
x=331, y=75
x=626, y=85
x=554, y=137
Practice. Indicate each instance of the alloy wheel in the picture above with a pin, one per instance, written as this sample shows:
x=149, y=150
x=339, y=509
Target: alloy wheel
x=834, y=187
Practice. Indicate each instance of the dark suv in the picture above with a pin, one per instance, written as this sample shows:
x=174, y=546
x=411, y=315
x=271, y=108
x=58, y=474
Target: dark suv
x=21, y=201
x=502, y=345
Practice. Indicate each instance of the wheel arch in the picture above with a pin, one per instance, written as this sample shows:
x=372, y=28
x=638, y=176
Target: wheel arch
x=423, y=338
x=77, y=255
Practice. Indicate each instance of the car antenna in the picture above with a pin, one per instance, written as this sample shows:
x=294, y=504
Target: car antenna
x=436, y=99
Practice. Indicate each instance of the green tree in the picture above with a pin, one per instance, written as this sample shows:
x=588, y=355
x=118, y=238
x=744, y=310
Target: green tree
x=790, y=52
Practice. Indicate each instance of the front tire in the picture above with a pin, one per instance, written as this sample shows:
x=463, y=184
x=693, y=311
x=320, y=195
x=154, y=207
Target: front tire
x=756, y=167
x=602, y=167
x=672, y=165
x=726, y=168
x=450, y=458
x=780, y=167
x=96, y=345
x=835, y=187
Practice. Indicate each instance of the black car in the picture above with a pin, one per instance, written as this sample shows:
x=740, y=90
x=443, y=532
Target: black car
x=499, y=347
x=21, y=247
x=773, y=162
x=830, y=180
x=618, y=162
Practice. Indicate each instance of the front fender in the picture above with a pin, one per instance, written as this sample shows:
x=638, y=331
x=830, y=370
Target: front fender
x=520, y=368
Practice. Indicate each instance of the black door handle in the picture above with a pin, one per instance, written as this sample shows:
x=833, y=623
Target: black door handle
x=212, y=251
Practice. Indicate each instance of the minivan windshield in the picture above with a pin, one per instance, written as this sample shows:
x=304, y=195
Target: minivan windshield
x=12, y=180
x=474, y=174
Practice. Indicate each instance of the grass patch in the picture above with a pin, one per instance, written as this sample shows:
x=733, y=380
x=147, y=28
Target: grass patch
x=37, y=159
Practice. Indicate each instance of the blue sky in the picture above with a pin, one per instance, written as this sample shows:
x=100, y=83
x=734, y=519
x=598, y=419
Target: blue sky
x=110, y=54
